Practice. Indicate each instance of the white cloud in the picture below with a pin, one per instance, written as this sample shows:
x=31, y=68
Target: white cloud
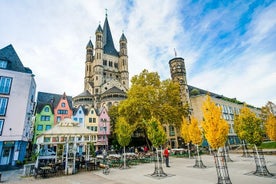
x=50, y=37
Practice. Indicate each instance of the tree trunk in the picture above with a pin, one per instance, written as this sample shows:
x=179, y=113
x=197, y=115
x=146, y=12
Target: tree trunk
x=124, y=157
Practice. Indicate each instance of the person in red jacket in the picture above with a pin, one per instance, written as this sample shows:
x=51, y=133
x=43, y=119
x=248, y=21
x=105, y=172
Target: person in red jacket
x=166, y=155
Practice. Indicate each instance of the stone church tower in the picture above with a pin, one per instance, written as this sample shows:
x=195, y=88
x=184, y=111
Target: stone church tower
x=106, y=77
x=178, y=74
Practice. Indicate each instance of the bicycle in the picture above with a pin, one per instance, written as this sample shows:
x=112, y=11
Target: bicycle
x=105, y=167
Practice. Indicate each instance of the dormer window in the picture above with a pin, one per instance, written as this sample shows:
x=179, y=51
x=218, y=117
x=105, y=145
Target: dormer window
x=46, y=109
x=3, y=64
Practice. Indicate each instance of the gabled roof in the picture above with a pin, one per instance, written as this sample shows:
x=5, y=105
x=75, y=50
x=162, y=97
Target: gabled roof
x=84, y=94
x=51, y=99
x=14, y=63
x=114, y=90
x=108, y=45
x=75, y=110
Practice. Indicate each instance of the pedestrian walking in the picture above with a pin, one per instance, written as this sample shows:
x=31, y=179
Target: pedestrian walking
x=166, y=155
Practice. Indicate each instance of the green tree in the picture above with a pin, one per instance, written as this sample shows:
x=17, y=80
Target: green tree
x=157, y=136
x=123, y=132
x=156, y=133
x=215, y=127
x=248, y=126
x=149, y=97
x=113, y=114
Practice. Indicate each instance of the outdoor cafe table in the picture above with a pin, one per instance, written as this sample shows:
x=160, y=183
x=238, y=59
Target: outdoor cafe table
x=178, y=151
x=45, y=170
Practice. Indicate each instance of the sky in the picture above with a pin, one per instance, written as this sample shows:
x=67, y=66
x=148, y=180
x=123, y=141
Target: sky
x=229, y=47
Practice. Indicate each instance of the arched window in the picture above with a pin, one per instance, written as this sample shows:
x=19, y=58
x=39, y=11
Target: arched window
x=46, y=109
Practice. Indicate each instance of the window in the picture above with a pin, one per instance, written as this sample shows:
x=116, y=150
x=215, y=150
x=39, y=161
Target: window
x=3, y=106
x=231, y=110
x=58, y=119
x=91, y=112
x=3, y=64
x=90, y=120
x=5, y=85
x=62, y=111
x=62, y=104
x=48, y=127
x=46, y=109
x=1, y=125
x=225, y=109
x=80, y=120
x=104, y=62
x=45, y=118
x=171, y=130
x=116, y=65
x=80, y=111
x=39, y=127
x=94, y=120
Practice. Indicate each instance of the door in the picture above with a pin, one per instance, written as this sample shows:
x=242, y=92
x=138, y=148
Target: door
x=6, y=153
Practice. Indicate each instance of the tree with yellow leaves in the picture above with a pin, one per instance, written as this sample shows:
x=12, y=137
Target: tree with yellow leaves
x=270, y=126
x=214, y=126
x=184, y=132
x=216, y=131
x=195, y=135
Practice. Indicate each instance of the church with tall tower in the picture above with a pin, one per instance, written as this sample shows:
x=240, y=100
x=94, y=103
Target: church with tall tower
x=106, y=79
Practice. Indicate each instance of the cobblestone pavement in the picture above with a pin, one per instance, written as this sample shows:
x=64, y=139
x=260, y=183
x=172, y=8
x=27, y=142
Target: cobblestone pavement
x=181, y=171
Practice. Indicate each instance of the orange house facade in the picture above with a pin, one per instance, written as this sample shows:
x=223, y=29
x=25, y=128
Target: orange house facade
x=62, y=110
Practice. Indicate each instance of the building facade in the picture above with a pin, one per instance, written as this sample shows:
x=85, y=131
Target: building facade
x=229, y=107
x=194, y=98
x=272, y=107
x=50, y=110
x=17, y=104
x=79, y=115
x=106, y=77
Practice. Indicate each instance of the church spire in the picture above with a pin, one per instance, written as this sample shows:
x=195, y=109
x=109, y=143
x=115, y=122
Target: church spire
x=108, y=43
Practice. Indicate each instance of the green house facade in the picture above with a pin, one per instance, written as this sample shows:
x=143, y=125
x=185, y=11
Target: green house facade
x=44, y=120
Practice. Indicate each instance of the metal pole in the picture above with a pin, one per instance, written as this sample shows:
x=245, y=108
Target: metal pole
x=105, y=144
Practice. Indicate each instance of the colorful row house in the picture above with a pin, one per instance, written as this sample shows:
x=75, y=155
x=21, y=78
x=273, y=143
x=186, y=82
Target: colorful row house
x=52, y=108
x=96, y=120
